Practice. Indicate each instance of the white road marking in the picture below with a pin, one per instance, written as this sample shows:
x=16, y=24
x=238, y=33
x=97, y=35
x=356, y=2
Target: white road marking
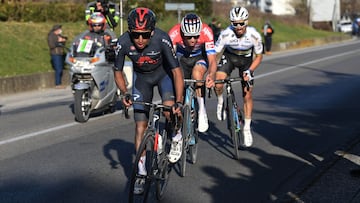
x=29, y=135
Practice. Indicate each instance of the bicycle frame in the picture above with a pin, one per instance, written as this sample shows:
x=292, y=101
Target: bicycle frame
x=234, y=118
x=189, y=130
x=157, y=164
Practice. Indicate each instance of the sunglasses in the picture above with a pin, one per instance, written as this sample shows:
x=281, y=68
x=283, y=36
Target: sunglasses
x=136, y=35
x=236, y=24
x=97, y=25
x=190, y=37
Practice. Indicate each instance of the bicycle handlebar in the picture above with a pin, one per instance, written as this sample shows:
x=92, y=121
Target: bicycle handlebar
x=163, y=107
x=228, y=81
x=194, y=81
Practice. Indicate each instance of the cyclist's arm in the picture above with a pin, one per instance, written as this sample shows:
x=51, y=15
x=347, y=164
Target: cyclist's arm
x=179, y=84
x=256, y=62
x=211, y=70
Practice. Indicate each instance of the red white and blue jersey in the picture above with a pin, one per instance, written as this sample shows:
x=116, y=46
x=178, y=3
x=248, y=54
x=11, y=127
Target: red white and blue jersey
x=204, y=45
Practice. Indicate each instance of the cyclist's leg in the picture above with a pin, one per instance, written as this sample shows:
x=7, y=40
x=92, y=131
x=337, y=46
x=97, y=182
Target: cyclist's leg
x=224, y=69
x=166, y=90
x=248, y=104
x=142, y=91
x=198, y=73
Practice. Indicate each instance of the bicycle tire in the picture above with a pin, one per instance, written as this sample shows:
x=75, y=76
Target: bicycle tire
x=231, y=125
x=147, y=145
x=186, y=132
x=193, y=149
x=163, y=168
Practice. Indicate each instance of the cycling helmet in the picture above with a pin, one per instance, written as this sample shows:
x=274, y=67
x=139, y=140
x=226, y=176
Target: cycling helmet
x=97, y=19
x=141, y=19
x=239, y=14
x=191, y=25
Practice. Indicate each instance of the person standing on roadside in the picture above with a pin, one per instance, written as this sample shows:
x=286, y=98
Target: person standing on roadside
x=216, y=28
x=268, y=31
x=242, y=48
x=56, y=43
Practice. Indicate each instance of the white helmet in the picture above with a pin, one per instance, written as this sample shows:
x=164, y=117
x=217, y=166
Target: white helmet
x=191, y=25
x=238, y=14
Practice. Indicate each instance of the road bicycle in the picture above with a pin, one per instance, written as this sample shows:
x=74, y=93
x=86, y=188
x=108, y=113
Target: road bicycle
x=155, y=146
x=190, y=124
x=234, y=114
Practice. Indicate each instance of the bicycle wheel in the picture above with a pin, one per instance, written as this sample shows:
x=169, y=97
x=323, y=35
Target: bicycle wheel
x=146, y=146
x=193, y=148
x=162, y=177
x=232, y=115
x=186, y=133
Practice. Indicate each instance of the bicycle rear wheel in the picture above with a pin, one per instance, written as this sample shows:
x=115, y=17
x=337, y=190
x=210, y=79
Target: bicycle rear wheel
x=162, y=177
x=232, y=115
x=146, y=146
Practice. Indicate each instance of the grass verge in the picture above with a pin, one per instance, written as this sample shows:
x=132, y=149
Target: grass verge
x=24, y=49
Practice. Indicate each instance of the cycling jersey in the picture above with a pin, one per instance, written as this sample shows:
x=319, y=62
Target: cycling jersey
x=152, y=67
x=159, y=53
x=244, y=46
x=188, y=58
x=205, y=42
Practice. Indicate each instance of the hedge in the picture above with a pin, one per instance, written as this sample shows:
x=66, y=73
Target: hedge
x=42, y=12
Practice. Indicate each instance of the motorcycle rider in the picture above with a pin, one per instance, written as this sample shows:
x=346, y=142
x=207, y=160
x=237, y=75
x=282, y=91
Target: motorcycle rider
x=154, y=64
x=109, y=9
x=98, y=35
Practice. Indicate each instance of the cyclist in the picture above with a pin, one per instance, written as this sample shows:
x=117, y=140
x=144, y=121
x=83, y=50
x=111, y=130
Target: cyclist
x=242, y=48
x=194, y=45
x=154, y=64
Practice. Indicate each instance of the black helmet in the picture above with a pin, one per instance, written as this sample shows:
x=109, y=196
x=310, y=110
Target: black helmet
x=103, y=1
x=141, y=19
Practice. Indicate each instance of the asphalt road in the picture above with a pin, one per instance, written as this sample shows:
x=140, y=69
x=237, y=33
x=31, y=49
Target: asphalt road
x=306, y=107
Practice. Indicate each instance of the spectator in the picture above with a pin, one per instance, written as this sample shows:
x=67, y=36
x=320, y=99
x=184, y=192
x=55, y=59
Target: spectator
x=268, y=31
x=109, y=9
x=56, y=44
x=216, y=28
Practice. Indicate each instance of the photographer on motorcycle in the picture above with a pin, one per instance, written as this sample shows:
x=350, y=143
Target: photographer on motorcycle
x=109, y=9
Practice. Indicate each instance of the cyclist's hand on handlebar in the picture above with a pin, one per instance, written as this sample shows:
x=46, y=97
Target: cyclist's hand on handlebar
x=127, y=100
x=209, y=81
x=177, y=108
x=248, y=75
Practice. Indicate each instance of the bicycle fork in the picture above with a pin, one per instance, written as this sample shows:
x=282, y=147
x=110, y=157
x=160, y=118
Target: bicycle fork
x=234, y=108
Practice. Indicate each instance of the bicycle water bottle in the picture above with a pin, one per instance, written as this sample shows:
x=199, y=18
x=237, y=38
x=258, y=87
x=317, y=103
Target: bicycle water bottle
x=159, y=143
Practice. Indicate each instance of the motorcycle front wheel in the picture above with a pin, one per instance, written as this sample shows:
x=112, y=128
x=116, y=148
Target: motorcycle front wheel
x=82, y=105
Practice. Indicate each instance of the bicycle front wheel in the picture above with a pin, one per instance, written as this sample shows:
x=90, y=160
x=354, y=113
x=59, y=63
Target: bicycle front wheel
x=186, y=133
x=193, y=147
x=234, y=132
x=146, y=147
x=164, y=169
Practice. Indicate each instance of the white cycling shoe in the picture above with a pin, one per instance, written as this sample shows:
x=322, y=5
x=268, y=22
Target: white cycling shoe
x=175, y=151
x=203, y=122
x=248, y=139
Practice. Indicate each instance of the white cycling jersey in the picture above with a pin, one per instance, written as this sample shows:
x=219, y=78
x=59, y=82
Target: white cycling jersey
x=242, y=46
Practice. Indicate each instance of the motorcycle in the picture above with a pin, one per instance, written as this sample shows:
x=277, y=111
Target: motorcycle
x=92, y=79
